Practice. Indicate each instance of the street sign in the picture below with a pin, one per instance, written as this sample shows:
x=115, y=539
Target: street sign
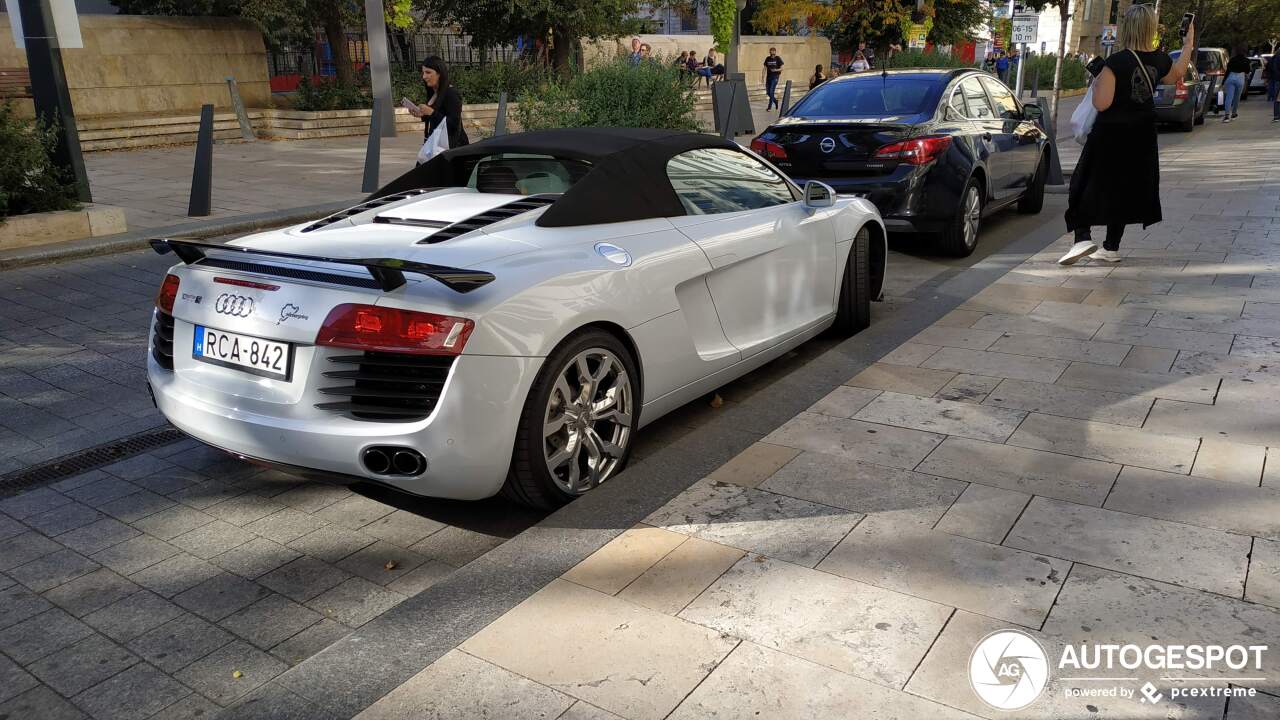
x=916, y=36
x=1108, y=35
x=1024, y=29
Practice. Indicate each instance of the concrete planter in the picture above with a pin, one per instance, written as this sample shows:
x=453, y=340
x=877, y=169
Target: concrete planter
x=58, y=226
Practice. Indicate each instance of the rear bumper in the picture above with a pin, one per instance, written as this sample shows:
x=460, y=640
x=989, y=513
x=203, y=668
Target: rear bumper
x=467, y=439
x=1178, y=111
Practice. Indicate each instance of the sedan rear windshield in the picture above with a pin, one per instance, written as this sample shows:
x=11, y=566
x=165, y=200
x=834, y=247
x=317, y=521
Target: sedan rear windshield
x=873, y=95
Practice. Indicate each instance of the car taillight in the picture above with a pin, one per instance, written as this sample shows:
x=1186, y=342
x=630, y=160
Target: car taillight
x=1180, y=90
x=916, y=151
x=370, y=327
x=769, y=149
x=168, y=293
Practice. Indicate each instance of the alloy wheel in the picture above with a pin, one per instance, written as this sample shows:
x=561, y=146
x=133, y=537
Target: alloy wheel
x=588, y=421
x=972, y=216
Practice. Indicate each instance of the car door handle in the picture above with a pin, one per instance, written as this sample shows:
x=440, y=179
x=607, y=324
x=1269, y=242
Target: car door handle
x=986, y=136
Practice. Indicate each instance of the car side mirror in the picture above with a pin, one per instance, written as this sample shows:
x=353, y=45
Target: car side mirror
x=818, y=195
x=1034, y=113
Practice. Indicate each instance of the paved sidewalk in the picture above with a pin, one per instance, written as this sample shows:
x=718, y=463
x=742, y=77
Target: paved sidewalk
x=1087, y=453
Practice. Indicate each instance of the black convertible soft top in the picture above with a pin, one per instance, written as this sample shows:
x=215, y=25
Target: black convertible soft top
x=627, y=181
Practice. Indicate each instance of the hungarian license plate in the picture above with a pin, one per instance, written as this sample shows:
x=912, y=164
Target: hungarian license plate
x=254, y=355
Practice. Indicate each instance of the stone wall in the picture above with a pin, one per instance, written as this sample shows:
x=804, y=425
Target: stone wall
x=799, y=54
x=154, y=64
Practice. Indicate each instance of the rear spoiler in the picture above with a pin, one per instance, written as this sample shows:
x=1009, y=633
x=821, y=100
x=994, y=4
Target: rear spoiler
x=387, y=272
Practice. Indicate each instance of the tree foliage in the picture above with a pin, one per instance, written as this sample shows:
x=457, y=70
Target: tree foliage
x=875, y=22
x=1221, y=23
x=723, y=13
x=615, y=94
x=29, y=181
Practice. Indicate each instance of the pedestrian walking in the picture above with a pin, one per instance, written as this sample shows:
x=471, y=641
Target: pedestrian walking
x=1116, y=182
x=1237, y=71
x=867, y=54
x=772, y=72
x=442, y=112
x=1002, y=66
x=817, y=78
x=635, y=57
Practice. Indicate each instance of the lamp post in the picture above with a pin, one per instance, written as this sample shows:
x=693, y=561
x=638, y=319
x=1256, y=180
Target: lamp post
x=731, y=69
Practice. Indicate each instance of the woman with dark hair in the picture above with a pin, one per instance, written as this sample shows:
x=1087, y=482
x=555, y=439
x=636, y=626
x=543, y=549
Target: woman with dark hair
x=817, y=78
x=444, y=104
x=1238, y=70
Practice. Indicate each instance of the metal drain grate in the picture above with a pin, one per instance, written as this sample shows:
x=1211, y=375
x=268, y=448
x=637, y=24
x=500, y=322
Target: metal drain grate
x=85, y=460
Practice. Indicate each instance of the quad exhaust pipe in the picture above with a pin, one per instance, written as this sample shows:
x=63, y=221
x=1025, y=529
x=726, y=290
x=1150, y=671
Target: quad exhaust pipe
x=392, y=460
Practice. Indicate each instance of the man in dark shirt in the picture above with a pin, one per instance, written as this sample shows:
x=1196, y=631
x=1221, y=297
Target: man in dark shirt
x=772, y=71
x=1273, y=85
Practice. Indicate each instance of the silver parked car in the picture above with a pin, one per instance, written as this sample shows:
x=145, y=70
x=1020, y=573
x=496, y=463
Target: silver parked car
x=509, y=314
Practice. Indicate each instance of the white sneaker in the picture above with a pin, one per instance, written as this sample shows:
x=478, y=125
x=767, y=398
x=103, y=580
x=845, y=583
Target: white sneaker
x=1082, y=249
x=1112, y=256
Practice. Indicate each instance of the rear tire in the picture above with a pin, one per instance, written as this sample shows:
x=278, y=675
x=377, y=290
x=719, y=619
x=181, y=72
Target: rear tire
x=1190, y=123
x=853, y=307
x=1032, y=201
x=960, y=237
x=556, y=397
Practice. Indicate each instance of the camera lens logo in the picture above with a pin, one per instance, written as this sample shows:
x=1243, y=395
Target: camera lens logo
x=1008, y=670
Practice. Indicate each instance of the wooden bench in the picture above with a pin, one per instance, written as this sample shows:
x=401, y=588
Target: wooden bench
x=15, y=83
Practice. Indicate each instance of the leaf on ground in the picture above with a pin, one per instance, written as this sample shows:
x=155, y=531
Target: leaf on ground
x=717, y=401
x=391, y=565
x=237, y=674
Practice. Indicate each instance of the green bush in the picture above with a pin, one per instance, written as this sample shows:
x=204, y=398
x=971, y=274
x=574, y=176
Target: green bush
x=29, y=182
x=482, y=84
x=329, y=95
x=616, y=94
x=921, y=58
x=1073, y=72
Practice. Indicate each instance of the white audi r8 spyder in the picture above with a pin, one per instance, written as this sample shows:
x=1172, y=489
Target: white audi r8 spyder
x=509, y=314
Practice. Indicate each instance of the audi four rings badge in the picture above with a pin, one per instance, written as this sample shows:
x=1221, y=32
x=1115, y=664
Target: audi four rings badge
x=827, y=144
x=234, y=305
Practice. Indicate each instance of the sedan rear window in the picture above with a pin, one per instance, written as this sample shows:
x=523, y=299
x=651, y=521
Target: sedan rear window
x=872, y=95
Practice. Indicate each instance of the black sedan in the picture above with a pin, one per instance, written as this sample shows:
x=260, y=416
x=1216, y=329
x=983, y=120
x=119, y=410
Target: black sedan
x=936, y=150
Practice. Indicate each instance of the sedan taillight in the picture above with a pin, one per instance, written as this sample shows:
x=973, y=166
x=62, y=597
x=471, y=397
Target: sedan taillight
x=769, y=149
x=371, y=327
x=1180, y=90
x=916, y=151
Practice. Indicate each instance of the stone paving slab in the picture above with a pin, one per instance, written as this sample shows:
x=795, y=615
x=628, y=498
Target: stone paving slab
x=1109, y=443
x=876, y=634
x=1023, y=470
x=1135, y=544
x=981, y=577
x=783, y=686
x=613, y=654
x=1231, y=507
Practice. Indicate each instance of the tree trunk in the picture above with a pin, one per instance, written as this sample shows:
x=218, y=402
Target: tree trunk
x=1064, y=10
x=331, y=17
x=563, y=57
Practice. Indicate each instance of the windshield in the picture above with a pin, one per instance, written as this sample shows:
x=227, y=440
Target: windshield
x=525, y=174
x=873, y=95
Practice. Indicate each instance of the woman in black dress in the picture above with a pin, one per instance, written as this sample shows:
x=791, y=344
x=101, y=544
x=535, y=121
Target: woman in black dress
x=1117, y=179
x=444, y=104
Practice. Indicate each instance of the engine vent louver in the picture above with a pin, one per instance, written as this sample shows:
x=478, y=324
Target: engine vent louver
x=382, y=386
x=162, y=340
x=364, y=207
x=489, y=217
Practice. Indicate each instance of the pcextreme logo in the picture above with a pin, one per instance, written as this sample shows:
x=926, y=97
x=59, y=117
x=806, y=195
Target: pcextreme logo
x=1008, y=670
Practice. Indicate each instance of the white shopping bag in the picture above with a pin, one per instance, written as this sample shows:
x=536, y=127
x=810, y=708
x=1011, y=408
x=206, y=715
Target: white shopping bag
x=437, y=142
x=1083, y=118
x=1222, y=99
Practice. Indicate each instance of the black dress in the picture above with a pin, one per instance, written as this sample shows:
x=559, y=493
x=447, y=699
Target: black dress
x=447, y=108
x=1117, y=179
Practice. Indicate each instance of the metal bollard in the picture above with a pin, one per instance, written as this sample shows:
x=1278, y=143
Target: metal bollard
x=246, y=130
x=373, y=150
x=500, y=122
x=1035, y=82
x=1055, y=163
x=201, y=203
x=786, y=98
x=726, y=132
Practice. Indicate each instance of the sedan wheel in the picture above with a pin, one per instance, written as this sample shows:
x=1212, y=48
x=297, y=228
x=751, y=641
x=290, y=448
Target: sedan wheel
x=588, y=421
x=578, y=421
x=961, y=236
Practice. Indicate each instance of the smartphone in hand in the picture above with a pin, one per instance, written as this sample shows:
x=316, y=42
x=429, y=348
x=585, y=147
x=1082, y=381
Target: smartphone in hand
x=1187, y=19
x=410, y=105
